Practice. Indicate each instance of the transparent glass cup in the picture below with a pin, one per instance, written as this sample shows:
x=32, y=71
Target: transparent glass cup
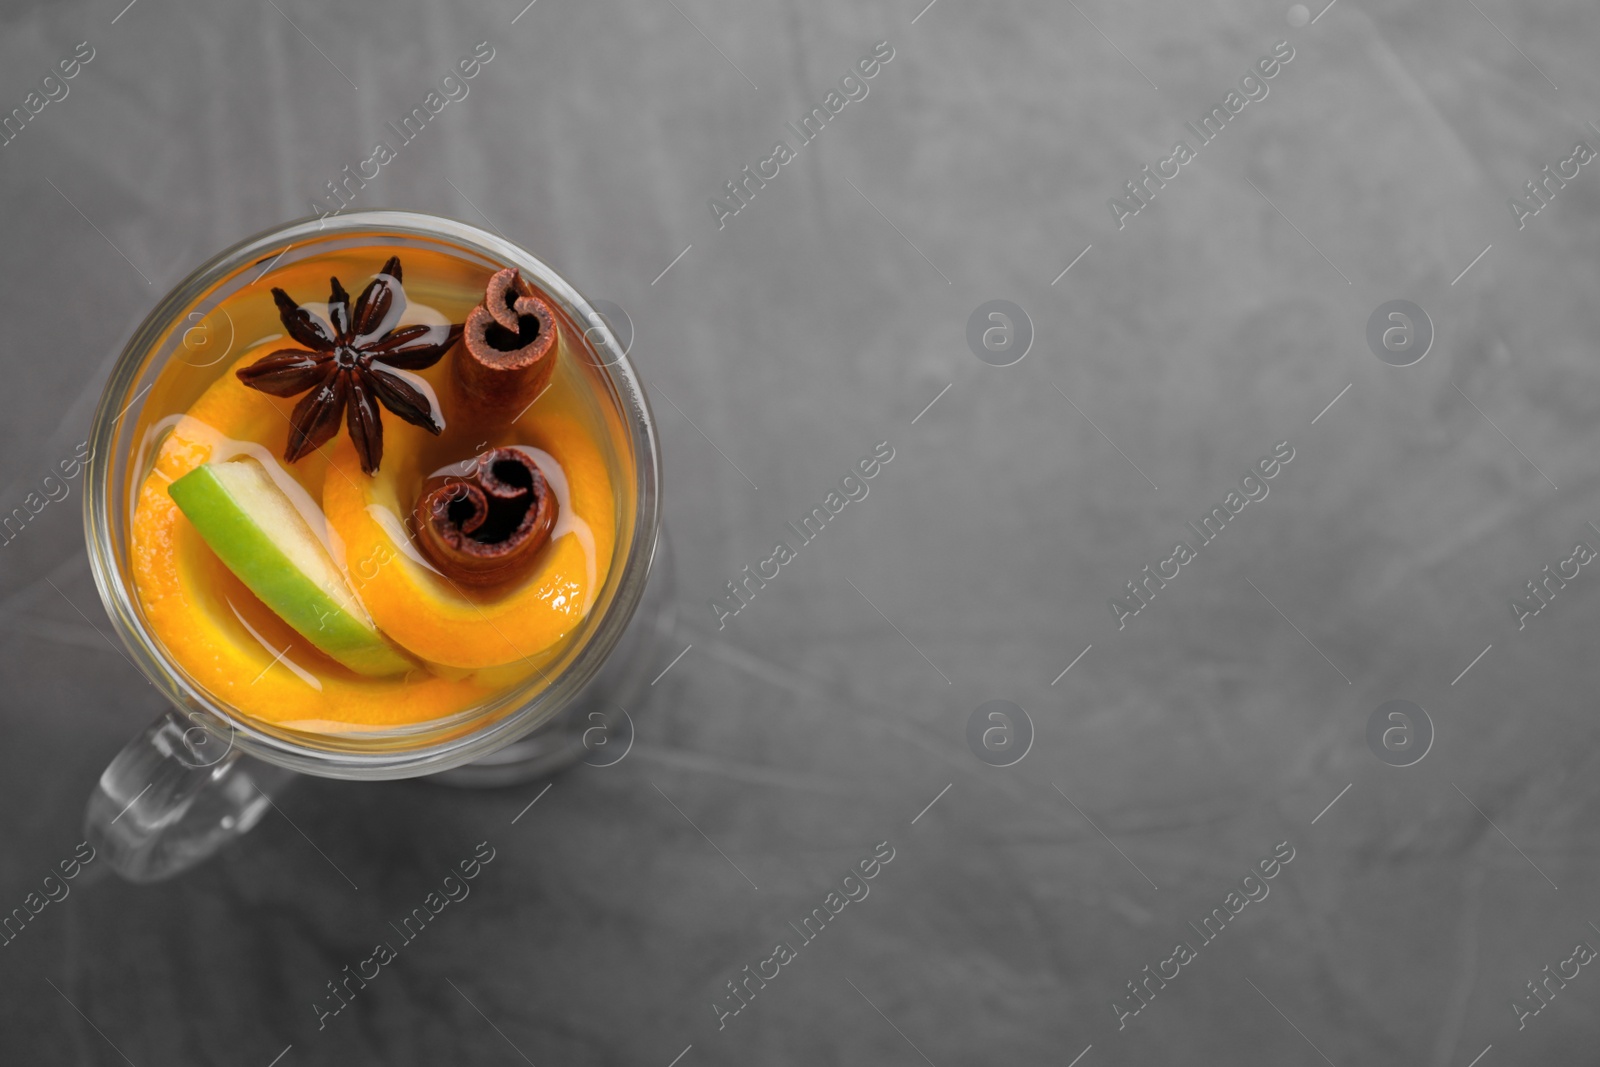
x=203, y=774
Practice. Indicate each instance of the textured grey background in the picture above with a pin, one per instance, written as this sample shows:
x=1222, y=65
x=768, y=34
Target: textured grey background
x=808, y=730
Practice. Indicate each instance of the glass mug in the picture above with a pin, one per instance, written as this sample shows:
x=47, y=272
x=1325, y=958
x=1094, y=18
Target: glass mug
x=204, y=773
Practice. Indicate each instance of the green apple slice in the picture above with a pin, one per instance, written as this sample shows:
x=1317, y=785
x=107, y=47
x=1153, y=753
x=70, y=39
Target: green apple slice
x=255, y=530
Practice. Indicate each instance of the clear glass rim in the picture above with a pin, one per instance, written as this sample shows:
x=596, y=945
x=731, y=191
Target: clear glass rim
x=101, y=509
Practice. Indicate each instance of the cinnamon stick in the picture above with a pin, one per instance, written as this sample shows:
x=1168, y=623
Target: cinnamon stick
x=509, y=348
x=487, y=525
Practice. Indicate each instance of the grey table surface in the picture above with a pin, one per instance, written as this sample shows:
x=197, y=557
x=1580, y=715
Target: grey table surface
x=824, y=718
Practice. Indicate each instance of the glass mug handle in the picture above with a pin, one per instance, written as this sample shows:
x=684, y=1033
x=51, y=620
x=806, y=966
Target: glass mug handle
x=175, y=795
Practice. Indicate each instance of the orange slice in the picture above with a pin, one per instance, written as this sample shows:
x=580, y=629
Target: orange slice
x=215, y=629
x=435, y=619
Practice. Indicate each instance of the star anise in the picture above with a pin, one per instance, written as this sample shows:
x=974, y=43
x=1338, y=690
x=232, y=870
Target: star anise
x=346, y=367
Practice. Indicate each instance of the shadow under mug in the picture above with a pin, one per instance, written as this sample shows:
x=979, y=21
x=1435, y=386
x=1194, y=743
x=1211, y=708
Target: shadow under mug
x=203, y=774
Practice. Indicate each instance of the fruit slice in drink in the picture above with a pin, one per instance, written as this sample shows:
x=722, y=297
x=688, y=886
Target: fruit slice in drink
x=255, y=530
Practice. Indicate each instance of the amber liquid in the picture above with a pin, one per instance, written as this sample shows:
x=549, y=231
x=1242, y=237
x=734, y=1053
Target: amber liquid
x=471, y=649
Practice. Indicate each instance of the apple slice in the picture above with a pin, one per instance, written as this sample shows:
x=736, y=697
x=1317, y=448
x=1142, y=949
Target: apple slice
x=255, y=530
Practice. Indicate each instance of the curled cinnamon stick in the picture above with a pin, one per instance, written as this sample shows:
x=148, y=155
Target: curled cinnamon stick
x=509, y=347
x=486, y=525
